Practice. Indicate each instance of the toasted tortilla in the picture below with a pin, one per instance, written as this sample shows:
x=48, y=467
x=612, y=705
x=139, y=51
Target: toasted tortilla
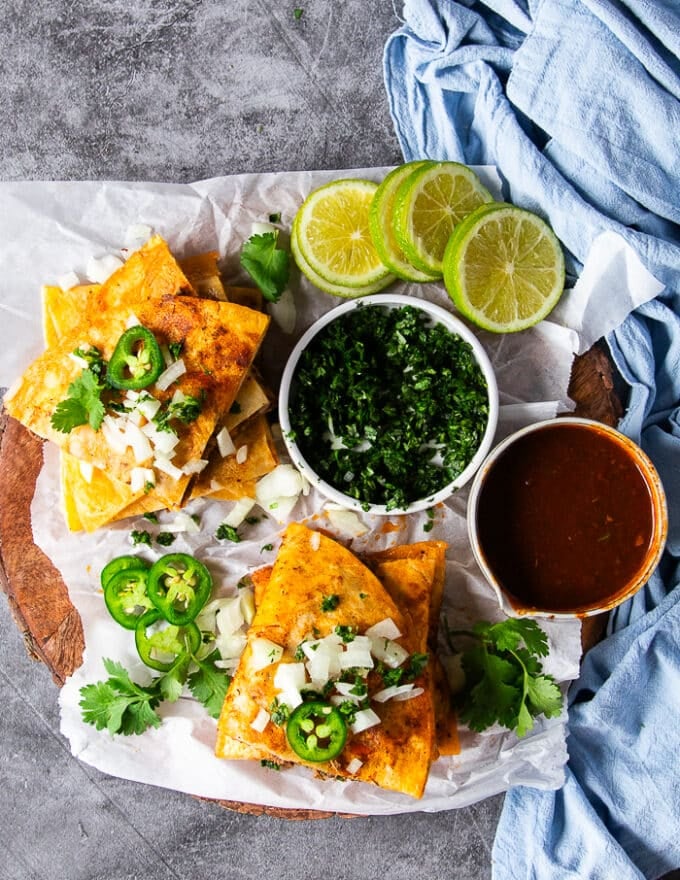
x=220, y=342
x=397, y=753
x=414, y=575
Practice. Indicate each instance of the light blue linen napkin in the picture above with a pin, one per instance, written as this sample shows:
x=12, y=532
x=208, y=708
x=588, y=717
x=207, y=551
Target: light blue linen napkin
x=577, y=102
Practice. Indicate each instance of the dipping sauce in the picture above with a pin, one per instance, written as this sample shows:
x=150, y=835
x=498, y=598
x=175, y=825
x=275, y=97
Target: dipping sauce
x=565, y=518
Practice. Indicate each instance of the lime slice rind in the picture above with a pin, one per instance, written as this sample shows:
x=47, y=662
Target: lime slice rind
x=504, y=268
x=381, y=226
x=326, y=286
x=334, y=237
x=428, y=206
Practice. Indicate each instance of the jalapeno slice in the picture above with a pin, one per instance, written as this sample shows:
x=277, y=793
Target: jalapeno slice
x=126, y=596
x=316, y=731
x=179, y=586
x=119, y=564
x=137, y=360
x=162, y=648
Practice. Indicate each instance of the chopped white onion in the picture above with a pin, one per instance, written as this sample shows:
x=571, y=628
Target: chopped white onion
x=260, y=721
x=280, y=508
x=230, y=645
x=140, y=477
x=207, y=616
x=68, y=280
x=241, y=454
x=284, y=312
x=247, y=598
x=136, y=235
x=101, y=269
x=384, y=629
x=148, y=406
x=290, y=676
x=178, y=397
x=171, y=374
x=132, y=321
x=195, y=466
x=183, y=523
x=290, y=698
x=356, y=655
x=229, y=617
x=141, y=448
x=264, y=653
x=408, y=695
x=239, y=512
x=394, y=691
x=364, y=719
x=163, y=442
x=86, y=471
x=225, y=444
x=163, y=464
x=81, y=362
x=391, y=653
x=347, y=521
x=315, y=540
x=114, y=437
x=354, y=766
x=283, y=482
x=344, y=689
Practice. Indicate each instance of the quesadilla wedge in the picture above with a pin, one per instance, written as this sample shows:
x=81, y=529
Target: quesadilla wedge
x=218, y=339
x=319, y=592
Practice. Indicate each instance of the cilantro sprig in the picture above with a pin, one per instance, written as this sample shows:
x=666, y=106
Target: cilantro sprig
x=83, y=404
x=267, y=264
x=504, y=678
x=122, y=706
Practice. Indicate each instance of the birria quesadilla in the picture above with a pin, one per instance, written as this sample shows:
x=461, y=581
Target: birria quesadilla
x=342, y=657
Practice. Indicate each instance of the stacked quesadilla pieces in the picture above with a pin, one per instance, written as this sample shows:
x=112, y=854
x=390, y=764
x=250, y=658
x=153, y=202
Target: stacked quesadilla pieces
x=351, y=635
x=134, y=462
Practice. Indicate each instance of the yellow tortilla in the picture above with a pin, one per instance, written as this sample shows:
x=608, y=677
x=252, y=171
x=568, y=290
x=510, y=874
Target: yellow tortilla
x=397, y=753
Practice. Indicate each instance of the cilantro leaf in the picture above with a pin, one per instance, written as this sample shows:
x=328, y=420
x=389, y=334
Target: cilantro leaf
x=267, y=265
x=118, y=704
x=209, y=684
x=82, y=406
x=505, y=682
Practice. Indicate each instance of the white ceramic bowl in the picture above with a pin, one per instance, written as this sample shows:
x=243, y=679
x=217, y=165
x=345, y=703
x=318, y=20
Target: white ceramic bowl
x=437, y=314
x=608, y=595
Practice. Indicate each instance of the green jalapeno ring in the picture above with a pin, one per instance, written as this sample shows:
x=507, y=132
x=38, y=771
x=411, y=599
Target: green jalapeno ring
x=179, y=586
x=316, y=731
x=187, y=636
x=120, y=563
x=137, y=360
x=125, y=595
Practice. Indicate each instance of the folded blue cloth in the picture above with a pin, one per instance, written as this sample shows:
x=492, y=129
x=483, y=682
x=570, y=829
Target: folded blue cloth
x=577, y=102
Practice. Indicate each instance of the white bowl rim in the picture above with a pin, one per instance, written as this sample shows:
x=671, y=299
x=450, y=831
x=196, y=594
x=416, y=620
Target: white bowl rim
x=455, y=326
x=476, y=487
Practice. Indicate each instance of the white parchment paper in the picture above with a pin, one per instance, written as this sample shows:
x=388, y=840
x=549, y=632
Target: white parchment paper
x=49, y=229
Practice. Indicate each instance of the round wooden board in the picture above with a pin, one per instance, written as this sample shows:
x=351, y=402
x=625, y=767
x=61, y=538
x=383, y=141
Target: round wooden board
x=38, y=598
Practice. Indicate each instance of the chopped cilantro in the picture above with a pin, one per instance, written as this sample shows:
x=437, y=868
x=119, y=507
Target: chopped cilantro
x=267, y=265
x=298, y=13
x=175, y=349
x=185, y=411
x=138, y=536
x=279, y=712
x=152, y=517
x=165, y=539
x=270, y=765
x=330, y=603
x=346, y=633
x=227, y=533
x=266, y=548
x=275, y=218
x=406, y=398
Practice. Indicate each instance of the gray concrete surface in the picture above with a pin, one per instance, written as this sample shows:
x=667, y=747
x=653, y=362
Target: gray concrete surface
x=180, y=90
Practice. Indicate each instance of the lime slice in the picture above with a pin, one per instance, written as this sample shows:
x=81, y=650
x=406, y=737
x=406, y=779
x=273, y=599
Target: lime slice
x=333, y=234
x=504, y=268
x=428, y=206
x=381, y=226
x=327, y=286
